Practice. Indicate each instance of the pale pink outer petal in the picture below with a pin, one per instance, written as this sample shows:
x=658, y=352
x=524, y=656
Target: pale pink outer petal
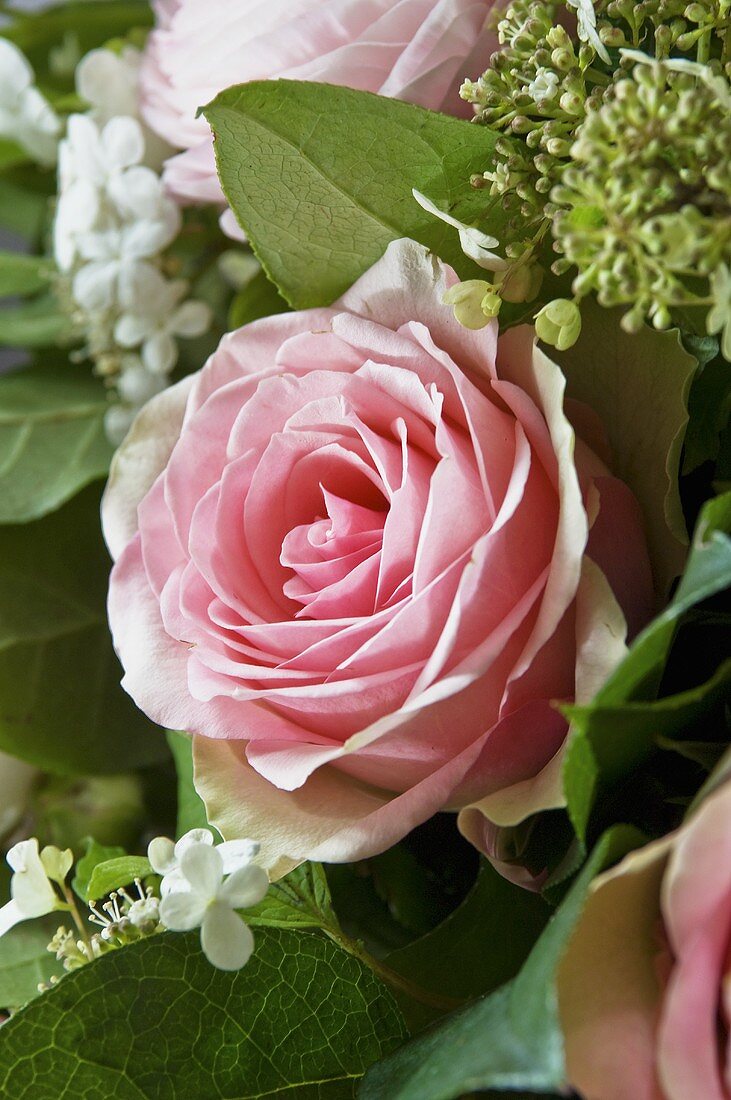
x=139, y=461
x=330, y=818
x=608, y=987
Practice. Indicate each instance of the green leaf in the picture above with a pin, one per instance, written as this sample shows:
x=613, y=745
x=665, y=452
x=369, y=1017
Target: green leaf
x=612, y=735
x=191, y=811
x=155, y=1021
x=510, y=1039
x=25, y=962
x=61, y=704
x=113, y=873
x=299, y=900
x=52, y=439
x=259, y=298
x=639, y=386
x=321, y=177
x=22, y=211
x=36, y=324
x=11, y=154
x=94, y=855
x=709, y=407
x=21, y=274
x=452, y=960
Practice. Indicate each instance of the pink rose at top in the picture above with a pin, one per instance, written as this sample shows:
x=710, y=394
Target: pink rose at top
x=645, y=987
x=417, y=50
x=360, y=554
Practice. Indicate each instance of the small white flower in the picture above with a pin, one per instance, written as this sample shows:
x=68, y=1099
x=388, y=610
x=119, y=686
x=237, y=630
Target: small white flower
x=153, y=317
x=586, y=27
x=108, y=82
x=474, y=243
x=165, y=856
x=144, y=912
x=210, y=902
x=31, y=892
x=26, y=116
x=544, y=85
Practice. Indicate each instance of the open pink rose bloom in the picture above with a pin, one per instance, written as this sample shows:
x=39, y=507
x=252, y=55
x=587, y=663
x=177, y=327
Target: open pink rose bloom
x=644, y=988
x=417, y=50
x=361, y=555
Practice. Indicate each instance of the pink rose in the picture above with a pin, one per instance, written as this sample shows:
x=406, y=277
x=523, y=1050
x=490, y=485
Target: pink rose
x=644, y=988
x=361, y=553
x=417, y=50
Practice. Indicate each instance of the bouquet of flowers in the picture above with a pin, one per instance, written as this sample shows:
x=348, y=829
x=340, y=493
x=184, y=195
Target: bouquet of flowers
x=385, y=348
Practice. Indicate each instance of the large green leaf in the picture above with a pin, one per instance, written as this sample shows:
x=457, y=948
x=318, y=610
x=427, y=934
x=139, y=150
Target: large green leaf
x=509, y=1040
x=612, y=735
x=303, y=1019
x=61, y=704
x=321, y=177
x=639, y=386
x=52, y=439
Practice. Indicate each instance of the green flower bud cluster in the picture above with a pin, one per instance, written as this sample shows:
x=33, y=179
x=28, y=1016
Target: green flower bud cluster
x=537, y=90
x=664, y=27
x=623, y=157
x=644, y=210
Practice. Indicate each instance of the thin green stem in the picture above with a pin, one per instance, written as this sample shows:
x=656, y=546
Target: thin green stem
x=76, y=916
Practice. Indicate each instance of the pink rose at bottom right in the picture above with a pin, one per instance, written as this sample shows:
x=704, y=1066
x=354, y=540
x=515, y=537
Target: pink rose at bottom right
x=645, y=986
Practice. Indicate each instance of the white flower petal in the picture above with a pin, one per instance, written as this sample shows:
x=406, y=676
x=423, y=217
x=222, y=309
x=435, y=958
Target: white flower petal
x=245, y=887
x=191, y=319
x=29, y=886
x=226, y=941
x=130, y=330
x=203, y=868
x=193, y=836
x=94, y=286
x=181, y=912
x=477, y=245
x=144, y=239
x=136, y=385
x=10, y=914
x=161, y=854
x=237, y=853
x=15, y=70
x=174, y=882
x=160, y=353
x=123, y=143
x=137, y=193
x=431, y=208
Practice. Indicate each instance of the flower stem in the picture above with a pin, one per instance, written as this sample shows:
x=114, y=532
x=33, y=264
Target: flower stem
x=73, y=910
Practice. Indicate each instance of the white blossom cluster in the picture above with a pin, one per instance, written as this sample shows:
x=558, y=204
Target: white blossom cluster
x=26, y=116
x=202, y=886
x=113, y=222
